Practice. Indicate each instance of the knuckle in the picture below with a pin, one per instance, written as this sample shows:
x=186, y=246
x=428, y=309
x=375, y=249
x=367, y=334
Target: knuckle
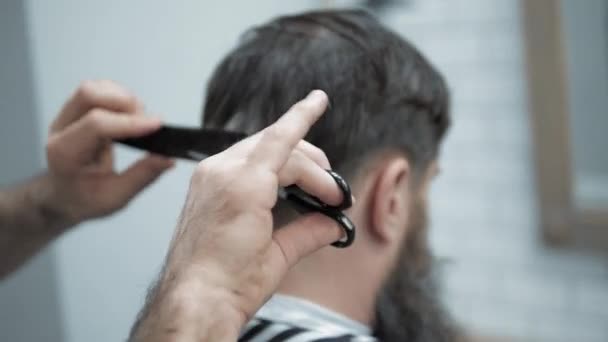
x=108, y=83
x=95, y=115
x=52, y=146
x=235, y=192
x=128, y=99
x=236, y=181
x=316, y=151
x=294, y=166
x=303, y=106
x=114, y=86
x=325, y=161
x=131, y=102
x=276, y=134
x=56, y=154
x=212, y=170
x=273, y=133
x=320, y=155
x=203, y=169
x=94, y=119
x=299, y=159
x=252, y=182
x=298, y=156
x=268, y=179
x=131, y=122
x=87, y=89
x=54, y=127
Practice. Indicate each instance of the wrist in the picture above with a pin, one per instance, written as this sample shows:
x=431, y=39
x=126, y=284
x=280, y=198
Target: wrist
x=189, y=309
x=209, y=309
x=45, y=197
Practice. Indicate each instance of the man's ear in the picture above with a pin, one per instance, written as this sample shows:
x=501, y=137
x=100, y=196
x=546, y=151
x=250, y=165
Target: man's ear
x=390, y=200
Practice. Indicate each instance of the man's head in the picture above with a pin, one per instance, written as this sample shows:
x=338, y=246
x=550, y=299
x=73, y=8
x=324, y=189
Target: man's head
x=388, y=114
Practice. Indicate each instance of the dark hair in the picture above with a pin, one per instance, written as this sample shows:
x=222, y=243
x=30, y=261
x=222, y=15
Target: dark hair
x=383, y=93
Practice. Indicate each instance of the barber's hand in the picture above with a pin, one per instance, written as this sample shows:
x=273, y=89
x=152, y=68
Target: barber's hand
x=81, y=175
x=225, y=259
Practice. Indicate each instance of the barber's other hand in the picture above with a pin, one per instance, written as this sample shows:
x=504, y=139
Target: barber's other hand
x=225, y=254
x=82, y=181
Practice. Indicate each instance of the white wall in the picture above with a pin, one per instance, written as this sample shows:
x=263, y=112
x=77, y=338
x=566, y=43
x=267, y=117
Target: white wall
x=164, y=51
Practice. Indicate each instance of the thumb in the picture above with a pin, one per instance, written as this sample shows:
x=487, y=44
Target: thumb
x=303, y=236
x=139, y=175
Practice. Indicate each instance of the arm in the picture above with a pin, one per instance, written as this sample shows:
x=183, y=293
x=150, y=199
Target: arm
x=226, y=259
x=81, y=182
x=187, y=310
x=28, y=221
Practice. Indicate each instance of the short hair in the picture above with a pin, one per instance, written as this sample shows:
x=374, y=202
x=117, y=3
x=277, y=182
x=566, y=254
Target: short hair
x=384, y=95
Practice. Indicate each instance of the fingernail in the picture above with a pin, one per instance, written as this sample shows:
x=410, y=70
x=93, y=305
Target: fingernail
x=353, y=199
x=317, y=95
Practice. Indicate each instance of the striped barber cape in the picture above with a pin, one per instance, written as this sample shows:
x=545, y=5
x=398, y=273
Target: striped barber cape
x=289, y=319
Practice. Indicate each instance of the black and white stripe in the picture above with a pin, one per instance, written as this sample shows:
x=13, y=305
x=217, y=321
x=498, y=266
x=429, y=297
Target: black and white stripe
x=263, y=330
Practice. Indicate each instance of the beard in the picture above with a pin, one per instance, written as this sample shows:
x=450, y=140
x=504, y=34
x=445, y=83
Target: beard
x=407, y=308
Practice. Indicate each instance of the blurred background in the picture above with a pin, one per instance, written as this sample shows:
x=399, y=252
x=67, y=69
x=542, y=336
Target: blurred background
x=519, y=213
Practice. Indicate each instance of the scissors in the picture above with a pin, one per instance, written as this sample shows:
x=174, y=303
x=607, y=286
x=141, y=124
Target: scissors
x=197, y=144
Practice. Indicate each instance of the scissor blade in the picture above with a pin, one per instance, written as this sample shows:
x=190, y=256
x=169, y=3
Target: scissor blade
x=188, y=143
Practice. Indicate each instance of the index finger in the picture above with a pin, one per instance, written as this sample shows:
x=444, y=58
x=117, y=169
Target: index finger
x=91, y=94
x=278, y=140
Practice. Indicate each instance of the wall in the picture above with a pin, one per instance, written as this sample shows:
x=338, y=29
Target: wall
x=500, y=279
x=29, y=306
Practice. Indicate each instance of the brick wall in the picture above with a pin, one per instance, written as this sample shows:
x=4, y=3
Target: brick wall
x=499, y=278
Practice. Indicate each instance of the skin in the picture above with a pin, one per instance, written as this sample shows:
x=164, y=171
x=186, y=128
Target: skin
x=80, y=182
x=225, y=252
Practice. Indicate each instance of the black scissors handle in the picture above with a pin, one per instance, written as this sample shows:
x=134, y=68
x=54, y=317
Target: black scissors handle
x=306, y=203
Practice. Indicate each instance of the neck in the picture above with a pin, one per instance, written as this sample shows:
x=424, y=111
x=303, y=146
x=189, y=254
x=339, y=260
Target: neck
x=331, y=279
